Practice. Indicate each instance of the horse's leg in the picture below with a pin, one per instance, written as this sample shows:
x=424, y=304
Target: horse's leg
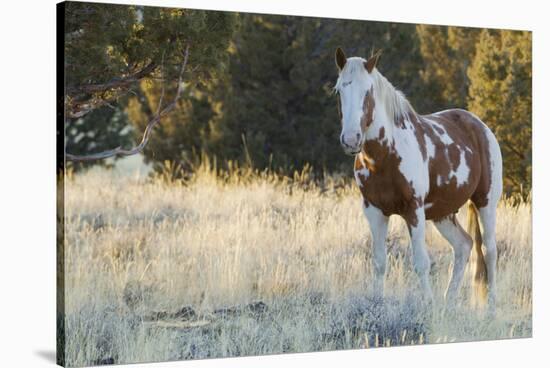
x=421, y=260
x=461, y=243
x=487, y=217
x=378, y=224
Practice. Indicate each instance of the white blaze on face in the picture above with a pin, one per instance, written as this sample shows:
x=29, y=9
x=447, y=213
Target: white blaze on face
x=353, y=83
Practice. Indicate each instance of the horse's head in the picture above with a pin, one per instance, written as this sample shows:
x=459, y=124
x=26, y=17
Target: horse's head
x=355, y=101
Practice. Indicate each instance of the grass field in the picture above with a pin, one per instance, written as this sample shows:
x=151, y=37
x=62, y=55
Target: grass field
x=257, y=264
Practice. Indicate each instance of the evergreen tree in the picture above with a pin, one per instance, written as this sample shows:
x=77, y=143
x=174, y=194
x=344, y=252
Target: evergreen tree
x=112, y=52
x=446, y=52
x=500, y=94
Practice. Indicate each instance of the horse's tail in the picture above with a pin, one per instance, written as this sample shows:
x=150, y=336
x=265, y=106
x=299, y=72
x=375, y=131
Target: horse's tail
x=479, y=280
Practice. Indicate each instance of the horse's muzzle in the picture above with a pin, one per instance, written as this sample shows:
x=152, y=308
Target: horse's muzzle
x=352, y=143
x=351, y=151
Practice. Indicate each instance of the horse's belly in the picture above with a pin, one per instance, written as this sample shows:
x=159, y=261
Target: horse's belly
x=446, y=200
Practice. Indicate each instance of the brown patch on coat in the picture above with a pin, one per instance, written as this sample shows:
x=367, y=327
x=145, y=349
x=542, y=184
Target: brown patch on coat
x=400, y=122
x=368, y=111
x=419, y=134
x=340, y=58
x=454, y=155
x=381, y=133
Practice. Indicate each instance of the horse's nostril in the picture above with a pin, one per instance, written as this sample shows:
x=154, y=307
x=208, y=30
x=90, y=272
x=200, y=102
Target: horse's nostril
x=343, y=141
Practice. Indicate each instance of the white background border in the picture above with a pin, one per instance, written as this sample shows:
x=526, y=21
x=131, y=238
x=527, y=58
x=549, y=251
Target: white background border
x=27, y=185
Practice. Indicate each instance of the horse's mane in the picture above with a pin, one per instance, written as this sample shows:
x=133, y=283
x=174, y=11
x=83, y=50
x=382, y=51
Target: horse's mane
x=395, y=102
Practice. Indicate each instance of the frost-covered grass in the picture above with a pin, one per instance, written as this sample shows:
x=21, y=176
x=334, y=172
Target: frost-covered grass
x=250, y=264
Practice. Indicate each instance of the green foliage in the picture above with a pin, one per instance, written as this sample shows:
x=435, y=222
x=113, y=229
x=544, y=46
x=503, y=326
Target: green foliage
x=447, y=53
x=500, y=93
x=258, y=88
x=279, y=108
x=106, y=43
x=184, y=133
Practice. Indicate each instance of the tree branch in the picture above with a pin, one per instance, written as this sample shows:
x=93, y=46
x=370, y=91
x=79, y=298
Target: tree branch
x=78, y=98
x=79, y=109
x=119, y=151
x=114, y=83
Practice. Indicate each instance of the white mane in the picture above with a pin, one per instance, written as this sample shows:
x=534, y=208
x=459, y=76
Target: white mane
x=385, y=94
x=393, y=100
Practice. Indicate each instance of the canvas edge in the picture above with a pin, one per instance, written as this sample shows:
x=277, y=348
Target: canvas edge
x=60, y=183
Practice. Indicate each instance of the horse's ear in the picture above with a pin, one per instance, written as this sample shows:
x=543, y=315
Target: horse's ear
x=373, y=61
x=340, y=58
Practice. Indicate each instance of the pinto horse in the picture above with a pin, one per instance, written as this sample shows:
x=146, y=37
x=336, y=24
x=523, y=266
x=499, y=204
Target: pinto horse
x=420, y=167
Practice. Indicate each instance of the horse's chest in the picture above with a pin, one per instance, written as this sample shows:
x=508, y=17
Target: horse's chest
x=385, y=188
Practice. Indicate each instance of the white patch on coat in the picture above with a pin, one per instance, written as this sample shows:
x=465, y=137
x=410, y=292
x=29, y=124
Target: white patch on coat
x=462, y=172
x=495, y=161
x=412, y=165
x=428, y=205
x=430, y=148
x=444, y=137
x=361, y=175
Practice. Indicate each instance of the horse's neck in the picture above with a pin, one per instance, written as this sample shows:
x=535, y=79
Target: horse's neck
x=382, y=134
x=378, y=142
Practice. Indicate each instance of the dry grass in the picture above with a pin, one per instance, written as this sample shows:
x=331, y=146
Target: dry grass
x=139, y=250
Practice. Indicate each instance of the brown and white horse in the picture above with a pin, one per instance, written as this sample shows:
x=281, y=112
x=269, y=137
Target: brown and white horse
x=420, y=167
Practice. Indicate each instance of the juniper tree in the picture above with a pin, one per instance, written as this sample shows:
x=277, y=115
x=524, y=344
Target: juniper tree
x=500, y=93
x=112, y=50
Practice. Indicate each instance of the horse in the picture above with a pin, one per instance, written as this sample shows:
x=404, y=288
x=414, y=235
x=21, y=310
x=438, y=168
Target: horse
x=421, y=167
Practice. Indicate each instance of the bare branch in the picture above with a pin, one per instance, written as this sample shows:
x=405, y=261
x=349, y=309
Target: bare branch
x=118, y=151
